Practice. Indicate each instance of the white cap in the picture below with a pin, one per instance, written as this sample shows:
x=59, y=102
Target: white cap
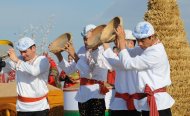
x=86, y=29
x=24, y=43
x=143, y=30
x=129, y=35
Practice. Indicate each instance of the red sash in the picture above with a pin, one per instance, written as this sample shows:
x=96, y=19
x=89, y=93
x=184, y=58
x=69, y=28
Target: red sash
x=111, y=77
x=151, y=99
x=103, y=88
x=129, y=98
x=28, y=99
x=147, y=93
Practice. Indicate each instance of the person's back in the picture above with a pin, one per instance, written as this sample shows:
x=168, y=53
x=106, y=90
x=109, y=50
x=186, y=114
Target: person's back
x=111, y=73
x=53, y=78
x=126, y=81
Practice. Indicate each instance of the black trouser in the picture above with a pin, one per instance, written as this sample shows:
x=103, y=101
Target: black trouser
x=93, y=107
x=166, y=112
x=35, y=113
x=124, y=113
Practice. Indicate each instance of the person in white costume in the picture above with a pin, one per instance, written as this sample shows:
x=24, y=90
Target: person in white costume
x=31, y=78
x=150, y=61
x=125, y=82
x=93, y=68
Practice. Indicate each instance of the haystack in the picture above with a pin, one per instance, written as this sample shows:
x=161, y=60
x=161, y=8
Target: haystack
x=165, y=16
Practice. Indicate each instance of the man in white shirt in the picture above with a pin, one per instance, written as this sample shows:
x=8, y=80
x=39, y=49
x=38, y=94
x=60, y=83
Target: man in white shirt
x=31, y=79
x=93, y=68
x=125, y=81
x=150, y=61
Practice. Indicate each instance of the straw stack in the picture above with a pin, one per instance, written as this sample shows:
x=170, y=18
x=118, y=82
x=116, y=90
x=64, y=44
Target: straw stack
x=165, y=16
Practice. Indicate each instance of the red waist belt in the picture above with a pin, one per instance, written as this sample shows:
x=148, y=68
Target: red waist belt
x=28, y=99
x=129, y=98
x=103, y=88
x=147, y=93
x=151, y=99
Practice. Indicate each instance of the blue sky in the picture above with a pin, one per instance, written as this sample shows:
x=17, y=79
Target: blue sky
x=55, y=17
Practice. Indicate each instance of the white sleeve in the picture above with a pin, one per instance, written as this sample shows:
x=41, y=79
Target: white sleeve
x=41, y=66
x=99, y=59
x=112, y=58
x=67, y=67
x=83, y=67
x=142, y=62
x=135, y=51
